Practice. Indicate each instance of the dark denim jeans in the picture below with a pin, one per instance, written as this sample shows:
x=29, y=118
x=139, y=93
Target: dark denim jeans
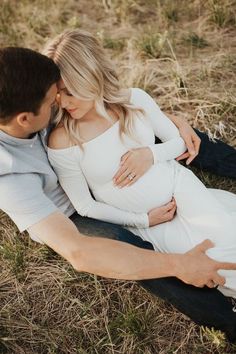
x=207, y=307
x=216, y=157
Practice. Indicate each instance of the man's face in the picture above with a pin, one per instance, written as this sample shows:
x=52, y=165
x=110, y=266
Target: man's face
x=41, y=120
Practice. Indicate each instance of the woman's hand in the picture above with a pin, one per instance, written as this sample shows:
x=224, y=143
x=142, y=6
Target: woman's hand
x=162, y=214
x=134, y=164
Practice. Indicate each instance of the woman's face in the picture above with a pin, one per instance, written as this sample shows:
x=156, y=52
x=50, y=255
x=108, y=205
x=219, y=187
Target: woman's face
x=77, y=108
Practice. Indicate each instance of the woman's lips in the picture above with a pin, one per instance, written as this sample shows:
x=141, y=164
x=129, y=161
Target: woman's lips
x=71, y=110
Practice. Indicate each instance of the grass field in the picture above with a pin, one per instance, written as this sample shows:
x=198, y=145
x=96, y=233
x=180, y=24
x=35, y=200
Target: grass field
x=184, y=54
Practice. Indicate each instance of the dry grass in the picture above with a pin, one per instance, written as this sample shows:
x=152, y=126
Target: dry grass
x=183, y=53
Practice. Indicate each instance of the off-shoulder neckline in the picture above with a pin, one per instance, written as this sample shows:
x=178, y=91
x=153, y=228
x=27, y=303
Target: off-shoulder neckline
x=96, y=137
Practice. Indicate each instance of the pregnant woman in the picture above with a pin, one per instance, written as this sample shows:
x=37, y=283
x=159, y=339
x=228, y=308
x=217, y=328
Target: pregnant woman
x=97, y=123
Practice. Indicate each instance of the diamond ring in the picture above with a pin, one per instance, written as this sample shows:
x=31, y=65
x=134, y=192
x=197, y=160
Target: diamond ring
x=131, y=176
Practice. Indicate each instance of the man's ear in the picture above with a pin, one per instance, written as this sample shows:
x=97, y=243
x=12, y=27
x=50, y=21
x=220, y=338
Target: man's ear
x=24, y=119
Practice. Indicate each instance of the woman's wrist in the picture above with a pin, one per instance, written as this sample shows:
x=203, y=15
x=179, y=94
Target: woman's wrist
x=140, y=220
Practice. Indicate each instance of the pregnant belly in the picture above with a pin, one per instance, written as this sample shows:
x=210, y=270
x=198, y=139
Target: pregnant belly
x=153, y=189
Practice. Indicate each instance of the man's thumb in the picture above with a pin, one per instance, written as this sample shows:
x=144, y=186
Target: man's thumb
x=204, y=245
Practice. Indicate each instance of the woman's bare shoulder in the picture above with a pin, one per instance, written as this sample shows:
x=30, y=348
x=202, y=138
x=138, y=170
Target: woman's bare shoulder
x=58, y=138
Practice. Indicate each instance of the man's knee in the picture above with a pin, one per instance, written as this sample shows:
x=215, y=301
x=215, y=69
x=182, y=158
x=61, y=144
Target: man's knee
x=93, y=227
x=97, y=228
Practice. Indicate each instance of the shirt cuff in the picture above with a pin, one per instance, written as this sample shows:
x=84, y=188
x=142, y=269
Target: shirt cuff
x=142, y=221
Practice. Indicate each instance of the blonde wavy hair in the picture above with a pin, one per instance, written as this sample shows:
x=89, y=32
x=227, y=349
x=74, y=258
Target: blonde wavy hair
x=88, y=74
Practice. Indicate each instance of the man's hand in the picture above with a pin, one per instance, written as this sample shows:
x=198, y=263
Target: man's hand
x=162, y=214
x=192, y=142
x=196, y=268
x=133, y=165
x=190, y=138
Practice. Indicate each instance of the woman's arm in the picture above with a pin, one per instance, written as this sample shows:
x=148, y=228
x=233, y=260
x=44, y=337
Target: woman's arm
x=66, y=163
x=172, y=144
x=137, y=161
x=73, y=182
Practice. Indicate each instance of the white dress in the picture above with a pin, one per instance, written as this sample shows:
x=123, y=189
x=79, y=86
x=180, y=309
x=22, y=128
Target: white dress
x=201, y=213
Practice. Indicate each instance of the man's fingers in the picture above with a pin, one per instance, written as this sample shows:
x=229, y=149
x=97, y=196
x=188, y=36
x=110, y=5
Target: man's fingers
x=211, y=284
x=198, y=285
x=194, y=152
x=190, y=146
x=218, y=280
x=190, y=143
x=197, y=143
x=190, y=159
x=183, y=156
x=193, y=145
x=226, y=265
x=204, y=246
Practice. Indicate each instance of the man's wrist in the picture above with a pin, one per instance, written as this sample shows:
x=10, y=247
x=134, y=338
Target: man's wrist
x=176, y=265
x=179, y=122
x=170, y=264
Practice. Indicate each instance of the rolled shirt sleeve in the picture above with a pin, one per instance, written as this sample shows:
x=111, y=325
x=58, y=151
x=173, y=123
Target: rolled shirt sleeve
x=23, y=199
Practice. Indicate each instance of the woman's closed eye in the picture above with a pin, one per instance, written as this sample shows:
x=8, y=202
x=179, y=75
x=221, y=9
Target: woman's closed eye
x=65, y=91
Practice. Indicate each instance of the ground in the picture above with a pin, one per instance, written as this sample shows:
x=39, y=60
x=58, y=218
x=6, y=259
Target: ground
x=184, y=54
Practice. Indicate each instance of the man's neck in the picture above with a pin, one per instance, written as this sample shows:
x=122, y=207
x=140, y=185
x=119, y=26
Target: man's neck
x=16, y=133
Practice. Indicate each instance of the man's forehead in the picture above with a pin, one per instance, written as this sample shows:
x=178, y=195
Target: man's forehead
x=61, y=85
x=51, y=92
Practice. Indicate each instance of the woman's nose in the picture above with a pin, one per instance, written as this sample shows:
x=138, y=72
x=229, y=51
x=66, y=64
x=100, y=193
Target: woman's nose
x=63, y=100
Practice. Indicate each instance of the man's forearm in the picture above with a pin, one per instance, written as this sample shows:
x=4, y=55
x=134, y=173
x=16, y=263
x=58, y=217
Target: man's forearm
x=115, y=259
x=101, y=256
x=118, y=260
x=179, y=122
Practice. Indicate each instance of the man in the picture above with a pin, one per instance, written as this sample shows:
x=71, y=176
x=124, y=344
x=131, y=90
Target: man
x=32, y=197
